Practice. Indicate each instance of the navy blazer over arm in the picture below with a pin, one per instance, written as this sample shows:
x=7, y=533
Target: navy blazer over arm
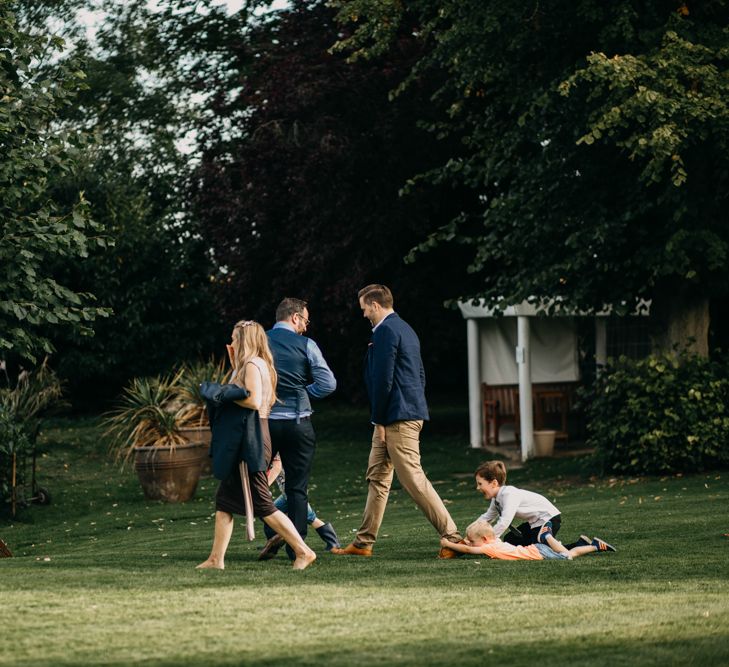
x=236, y=430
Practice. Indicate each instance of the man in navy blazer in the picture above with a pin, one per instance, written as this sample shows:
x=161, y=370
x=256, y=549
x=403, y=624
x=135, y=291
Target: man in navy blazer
x=395, y=380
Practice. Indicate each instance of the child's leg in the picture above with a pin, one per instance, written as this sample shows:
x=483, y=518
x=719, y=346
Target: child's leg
x=555, y=545
x=574, y=552
x=595, y=545
x=312, y=519
x=282, y=503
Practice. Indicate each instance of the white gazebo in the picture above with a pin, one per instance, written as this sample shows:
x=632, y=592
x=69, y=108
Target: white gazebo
x=521, y=346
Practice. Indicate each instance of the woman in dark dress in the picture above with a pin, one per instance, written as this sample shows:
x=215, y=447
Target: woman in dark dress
x=253, y=369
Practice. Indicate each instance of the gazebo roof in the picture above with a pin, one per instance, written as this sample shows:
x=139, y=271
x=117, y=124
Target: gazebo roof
x=475, y=309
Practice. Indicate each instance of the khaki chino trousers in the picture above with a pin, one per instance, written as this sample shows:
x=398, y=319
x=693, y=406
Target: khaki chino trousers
x=400, y=453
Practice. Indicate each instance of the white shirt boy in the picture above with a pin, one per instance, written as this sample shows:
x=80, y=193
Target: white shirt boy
x=511, y=502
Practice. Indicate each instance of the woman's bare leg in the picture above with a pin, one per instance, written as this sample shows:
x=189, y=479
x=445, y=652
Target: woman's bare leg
x=283, y=526
x=223, y=532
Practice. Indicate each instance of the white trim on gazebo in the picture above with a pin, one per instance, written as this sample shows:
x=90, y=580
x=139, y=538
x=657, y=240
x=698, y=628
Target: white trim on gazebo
x=472, y=311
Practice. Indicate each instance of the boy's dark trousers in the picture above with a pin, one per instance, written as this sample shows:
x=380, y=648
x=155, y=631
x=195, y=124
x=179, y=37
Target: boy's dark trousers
x=524, y=535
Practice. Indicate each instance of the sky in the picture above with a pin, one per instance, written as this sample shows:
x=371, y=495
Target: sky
x=92, y=18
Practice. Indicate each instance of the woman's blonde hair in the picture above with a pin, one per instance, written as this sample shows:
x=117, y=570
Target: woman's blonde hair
x=251, y=341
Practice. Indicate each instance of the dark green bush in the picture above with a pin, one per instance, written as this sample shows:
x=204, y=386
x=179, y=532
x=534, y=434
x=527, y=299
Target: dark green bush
x=13, y=440
x=665, y=413
x=23, y=404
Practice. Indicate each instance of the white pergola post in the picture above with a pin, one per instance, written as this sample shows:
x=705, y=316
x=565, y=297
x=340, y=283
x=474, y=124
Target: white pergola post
x=474, y=383
x=600, y=344
x=526, y=418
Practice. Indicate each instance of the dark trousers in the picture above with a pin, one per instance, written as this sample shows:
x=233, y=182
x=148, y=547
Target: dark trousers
x=295, y=442
x=524, y=535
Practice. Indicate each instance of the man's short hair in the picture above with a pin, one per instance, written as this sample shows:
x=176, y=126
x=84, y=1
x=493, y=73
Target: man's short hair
x=288, y=308
x=492, y=470
x=379, y=293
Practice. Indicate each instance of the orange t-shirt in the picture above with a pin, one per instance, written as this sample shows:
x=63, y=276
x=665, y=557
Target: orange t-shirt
x=505, y=551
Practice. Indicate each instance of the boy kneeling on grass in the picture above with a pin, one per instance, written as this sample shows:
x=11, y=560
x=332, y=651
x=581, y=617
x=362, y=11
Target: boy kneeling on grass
x=481, y=540
x=541, y=518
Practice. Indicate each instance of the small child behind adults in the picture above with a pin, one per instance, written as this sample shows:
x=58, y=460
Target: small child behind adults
x=274, y=540
x=539, y=516
x=481, y=540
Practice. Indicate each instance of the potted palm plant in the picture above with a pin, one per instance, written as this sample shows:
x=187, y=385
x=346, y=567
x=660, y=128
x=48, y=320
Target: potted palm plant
x=144, y=426
x=192, y=415
x=191, y=412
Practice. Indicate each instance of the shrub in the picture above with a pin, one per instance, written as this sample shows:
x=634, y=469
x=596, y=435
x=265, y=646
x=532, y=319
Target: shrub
x=22, y=407
x=13, y=440
x=36, y=394
x=664, y=413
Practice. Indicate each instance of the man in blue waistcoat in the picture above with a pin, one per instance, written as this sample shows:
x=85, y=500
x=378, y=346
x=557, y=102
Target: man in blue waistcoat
x=302, y=374
x=395, y=380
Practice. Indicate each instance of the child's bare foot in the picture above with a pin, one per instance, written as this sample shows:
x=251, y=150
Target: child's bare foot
x=303, y=561
x=210, y=564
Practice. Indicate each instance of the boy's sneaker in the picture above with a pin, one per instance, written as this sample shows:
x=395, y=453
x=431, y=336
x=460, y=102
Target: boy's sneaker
x=602, y=545
x=583, y=541
x=544, y=532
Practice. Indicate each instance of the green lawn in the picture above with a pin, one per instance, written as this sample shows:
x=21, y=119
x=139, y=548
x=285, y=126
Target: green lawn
x=102, y=576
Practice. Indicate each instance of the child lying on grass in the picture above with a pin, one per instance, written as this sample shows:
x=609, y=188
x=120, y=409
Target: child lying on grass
x=481, y=540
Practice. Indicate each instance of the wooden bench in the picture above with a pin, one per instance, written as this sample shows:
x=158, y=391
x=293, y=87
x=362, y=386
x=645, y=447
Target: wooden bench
x=501, y=406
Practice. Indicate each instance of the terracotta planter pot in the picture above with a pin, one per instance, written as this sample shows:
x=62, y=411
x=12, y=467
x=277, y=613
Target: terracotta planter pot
x=200, y=434
x=170, y=474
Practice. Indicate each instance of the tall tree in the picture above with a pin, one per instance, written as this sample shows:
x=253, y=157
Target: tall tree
x=597, y=140
x=157, y=277
x=36, y=231
x=299, y=194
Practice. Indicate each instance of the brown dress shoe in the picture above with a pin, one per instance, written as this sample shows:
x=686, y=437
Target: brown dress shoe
x=446, y=552
x=270, y=549
x=352, y=550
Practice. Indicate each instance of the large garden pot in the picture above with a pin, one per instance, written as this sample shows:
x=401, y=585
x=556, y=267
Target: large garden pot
x=200, y=434
x=170, y=473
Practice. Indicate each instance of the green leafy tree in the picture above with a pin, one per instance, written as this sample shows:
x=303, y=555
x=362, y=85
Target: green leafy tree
x=132, y=110
x=35, y=230
x=597, y=141
x=157, y=277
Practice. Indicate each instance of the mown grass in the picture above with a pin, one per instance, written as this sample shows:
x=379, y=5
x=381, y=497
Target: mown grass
x=102, y=576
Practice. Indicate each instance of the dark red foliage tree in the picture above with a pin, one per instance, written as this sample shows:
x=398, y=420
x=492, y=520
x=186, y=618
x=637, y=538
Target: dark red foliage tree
x=299, y=191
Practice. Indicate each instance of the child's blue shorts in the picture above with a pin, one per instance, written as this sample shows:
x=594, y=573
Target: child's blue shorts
x=550, y=554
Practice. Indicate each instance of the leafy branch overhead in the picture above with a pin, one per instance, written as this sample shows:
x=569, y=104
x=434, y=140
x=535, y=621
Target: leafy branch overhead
x=595, y=135
x=34, y=150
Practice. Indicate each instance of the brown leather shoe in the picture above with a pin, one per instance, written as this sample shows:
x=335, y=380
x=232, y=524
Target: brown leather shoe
x=270, y=549
x=352, y=550
x=446, y=553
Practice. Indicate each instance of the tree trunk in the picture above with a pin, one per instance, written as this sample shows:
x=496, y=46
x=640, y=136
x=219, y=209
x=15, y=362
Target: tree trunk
x=681, y=322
